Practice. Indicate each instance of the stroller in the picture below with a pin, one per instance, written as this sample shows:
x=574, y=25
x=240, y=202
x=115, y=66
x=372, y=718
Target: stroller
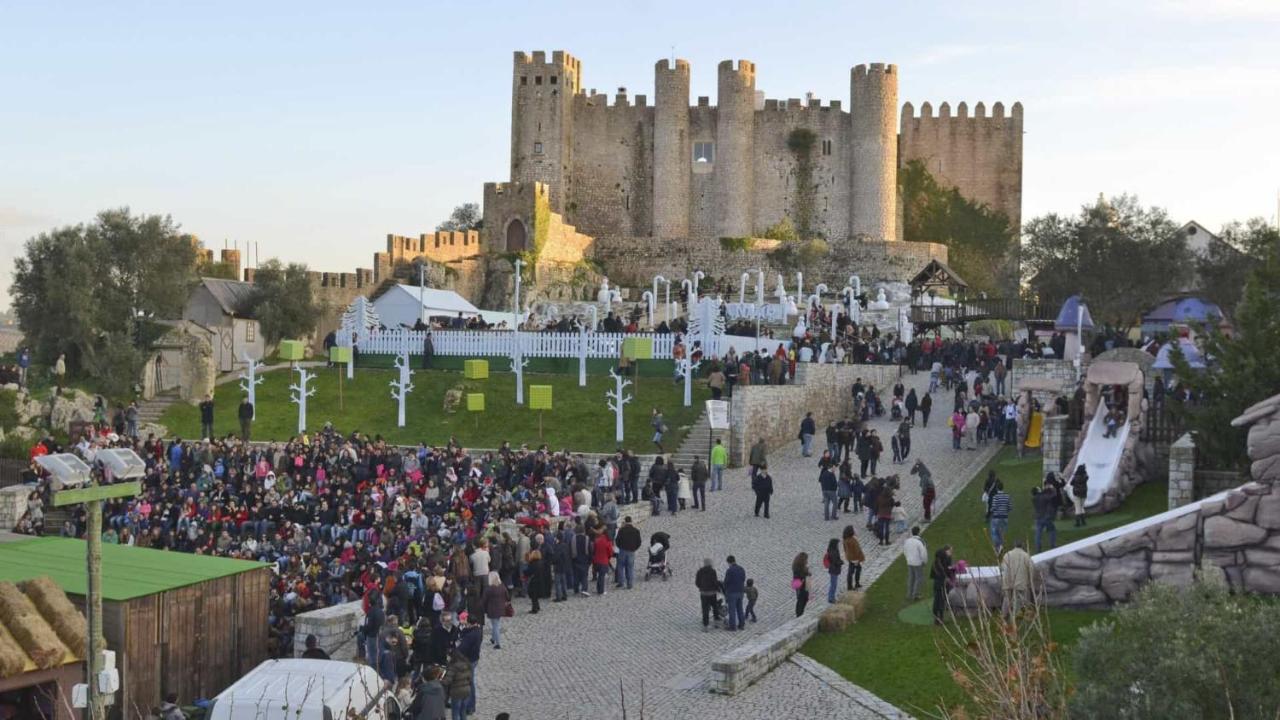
x=659, y=544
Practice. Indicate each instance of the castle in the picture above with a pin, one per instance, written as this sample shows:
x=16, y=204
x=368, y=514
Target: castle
x=632, y=189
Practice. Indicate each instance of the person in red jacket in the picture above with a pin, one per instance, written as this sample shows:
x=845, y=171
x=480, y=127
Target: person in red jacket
x=601, y=556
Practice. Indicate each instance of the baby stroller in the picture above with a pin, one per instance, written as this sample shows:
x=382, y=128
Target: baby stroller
x=659, y=544
x=896, y=412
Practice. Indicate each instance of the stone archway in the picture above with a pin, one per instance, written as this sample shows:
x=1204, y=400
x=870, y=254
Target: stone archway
x=517, y=236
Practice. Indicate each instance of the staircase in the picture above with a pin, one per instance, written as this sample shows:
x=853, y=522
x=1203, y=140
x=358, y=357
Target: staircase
x=53, y=519
x=151, y=410
x=698, y=443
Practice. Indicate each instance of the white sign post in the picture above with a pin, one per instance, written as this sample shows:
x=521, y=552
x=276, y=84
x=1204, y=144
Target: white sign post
x=401, y=387
x=249, y=381
x=582, y=356
x=718, y=414
x=301, y=392
x=617, y=400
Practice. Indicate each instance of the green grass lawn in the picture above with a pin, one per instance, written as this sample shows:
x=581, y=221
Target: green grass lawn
x=898, y=658
x=580, y=419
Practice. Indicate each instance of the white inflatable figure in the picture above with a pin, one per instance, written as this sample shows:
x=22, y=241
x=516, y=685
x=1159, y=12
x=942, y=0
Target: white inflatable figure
x=800, y=328
x=604, y=295
x=904, y=322
x=780, y=292
x=881, y=302
x=791, y=308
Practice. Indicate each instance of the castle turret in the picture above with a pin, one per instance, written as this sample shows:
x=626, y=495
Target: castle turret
x=542, y=120
x=735, y=147
x=672, y=152
x=874, y=157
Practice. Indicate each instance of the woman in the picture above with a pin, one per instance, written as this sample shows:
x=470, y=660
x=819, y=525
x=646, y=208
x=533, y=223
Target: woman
x=943, y=576
x=494, y=600
x=673, y=487
x=1079, y=491
x=657, y=481
x=684, y=490
x=854, y=556
x=912, y=403
x=885, y=503
x=800, y=581
x=834, y=565
x=844, y=490
x=539, y=571
x=926, y=405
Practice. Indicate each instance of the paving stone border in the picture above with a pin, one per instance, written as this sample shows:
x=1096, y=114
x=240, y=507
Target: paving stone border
x=870, y=702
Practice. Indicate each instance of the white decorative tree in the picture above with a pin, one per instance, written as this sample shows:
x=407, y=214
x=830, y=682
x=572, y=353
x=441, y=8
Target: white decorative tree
x=359, y=319
x=249, y=381
x=518, y=364
x=401, y=387
x=617, y=400
x=302, y=391
x=687, y=368
x=706, y=326
x=582, y=355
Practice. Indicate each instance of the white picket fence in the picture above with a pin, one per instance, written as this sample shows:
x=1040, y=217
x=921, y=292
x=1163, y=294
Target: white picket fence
x=481, y=343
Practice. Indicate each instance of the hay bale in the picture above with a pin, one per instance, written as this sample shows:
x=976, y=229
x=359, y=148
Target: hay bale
x=31, y=631
x=835, y=618
x=12, y=659
x=61, y=615
x=856, y=600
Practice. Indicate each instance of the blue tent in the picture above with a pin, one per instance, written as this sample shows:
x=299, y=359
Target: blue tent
x=1181, y=311
x=1189, y=351
x=1067, y=316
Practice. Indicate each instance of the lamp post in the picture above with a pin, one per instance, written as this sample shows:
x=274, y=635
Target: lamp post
x=697, y=277
x=517, y=356
x=799, y=286
x=647, y=296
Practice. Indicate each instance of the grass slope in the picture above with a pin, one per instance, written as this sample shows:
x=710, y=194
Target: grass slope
x=898, y=658
x=580, y=419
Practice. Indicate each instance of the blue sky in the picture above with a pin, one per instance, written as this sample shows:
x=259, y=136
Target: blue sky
x=313, y=129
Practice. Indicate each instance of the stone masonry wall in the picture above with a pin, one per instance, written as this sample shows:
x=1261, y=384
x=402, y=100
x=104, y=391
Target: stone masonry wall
x=1182, y=472
x=774, y=412
x=1058, y=443
x=1061, y=371
x=334, y=627
x=1233, y=537
x=13, y=503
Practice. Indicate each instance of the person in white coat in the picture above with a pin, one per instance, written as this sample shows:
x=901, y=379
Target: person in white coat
x=917, y=555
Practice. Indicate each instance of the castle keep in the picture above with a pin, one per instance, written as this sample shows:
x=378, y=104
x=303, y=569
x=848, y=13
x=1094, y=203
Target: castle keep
x=675, y=169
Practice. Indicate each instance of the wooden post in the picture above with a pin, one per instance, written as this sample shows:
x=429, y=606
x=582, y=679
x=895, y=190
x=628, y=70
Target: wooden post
x=93, y=603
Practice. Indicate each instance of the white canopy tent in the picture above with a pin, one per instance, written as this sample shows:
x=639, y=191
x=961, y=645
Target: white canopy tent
x=403, y=305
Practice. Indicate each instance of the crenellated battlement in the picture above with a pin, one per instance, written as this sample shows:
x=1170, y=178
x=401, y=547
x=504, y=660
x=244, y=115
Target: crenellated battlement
x=664, y=65
x=996, y=118
x=588, y=100
x=796, y=104
x=874, y=69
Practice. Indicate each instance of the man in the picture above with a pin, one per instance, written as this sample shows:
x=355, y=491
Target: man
x=719, y=459
x=206, y=417
x=1010, y=423
x=928, y=491
x=708, y=585
x=698, y=479
x=827, y=480
x=757, y=458
x=762, y=485
x=24, y=364
x=807, y=430
x=313, y=651
x=131, y=419
x=245, y=413
x=1016, y=575
x=582, y=551
x=428, y=350
x=628, y=542
x=917, y=555
x=1000, y=507
x=716, y=382
x=1045, y=502
x=735, y=584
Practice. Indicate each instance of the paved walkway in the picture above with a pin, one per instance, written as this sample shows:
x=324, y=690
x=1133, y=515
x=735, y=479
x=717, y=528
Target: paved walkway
x=571, y=660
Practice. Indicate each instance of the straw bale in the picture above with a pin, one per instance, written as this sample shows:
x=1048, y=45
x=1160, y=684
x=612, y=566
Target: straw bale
x=12, y=659
x=61, y=615
x=31, y=631
x=835, y=618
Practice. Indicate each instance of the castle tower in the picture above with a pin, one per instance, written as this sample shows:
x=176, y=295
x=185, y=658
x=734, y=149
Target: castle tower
x=873, y=203
x=542, y=120
x=735, y=147
x=672, y=152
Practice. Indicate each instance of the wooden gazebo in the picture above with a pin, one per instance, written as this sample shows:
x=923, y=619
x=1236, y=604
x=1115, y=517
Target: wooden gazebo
x=939, y=278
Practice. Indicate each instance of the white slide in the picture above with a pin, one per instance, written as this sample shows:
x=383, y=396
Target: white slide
x=1100, y=456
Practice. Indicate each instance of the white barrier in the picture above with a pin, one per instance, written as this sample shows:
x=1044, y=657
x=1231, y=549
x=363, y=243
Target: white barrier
x=498, y=343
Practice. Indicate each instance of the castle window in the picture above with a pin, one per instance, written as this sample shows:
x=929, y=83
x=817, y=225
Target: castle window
x=537, y=80
x=524, y=79
x=537, y=148
x=826, y=147
x=552, y=79
x=704, y=152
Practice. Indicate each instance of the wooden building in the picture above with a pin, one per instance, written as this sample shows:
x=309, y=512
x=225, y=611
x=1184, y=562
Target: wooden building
x=179, y=623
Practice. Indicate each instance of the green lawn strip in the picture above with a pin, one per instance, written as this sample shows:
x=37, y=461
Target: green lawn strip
x=580, y=419
x=897, y=658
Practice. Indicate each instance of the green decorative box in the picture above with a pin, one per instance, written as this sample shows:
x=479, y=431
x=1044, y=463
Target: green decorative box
x=637, y=348
x=539, y=397
x=475, y=369
x=292, y=350
x=475, y=402
x=338, y=354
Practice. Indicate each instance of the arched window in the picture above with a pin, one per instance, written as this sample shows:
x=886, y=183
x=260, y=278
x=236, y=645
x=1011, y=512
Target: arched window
x=517, y=238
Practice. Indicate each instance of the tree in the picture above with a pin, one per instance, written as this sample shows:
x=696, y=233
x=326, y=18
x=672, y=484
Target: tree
x=1243, y=369
x=1122, y=256
x=978, y=238
x=95, y=291
x=1195, y=653
x=1224, y=267
x=464, y=217
x=283, y=301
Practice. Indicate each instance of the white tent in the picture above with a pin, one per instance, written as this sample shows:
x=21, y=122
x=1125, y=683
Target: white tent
x=405, y=304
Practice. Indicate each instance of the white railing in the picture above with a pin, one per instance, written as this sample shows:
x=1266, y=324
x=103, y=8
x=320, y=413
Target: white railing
x=497, y=343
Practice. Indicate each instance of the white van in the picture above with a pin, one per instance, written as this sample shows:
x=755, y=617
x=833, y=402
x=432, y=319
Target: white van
x=292, y=689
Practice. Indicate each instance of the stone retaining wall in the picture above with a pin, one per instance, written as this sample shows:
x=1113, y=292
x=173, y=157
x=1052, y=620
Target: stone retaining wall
x=733, y=671
x=1182, y=469
x=774, y=412
x=1060, y=371
x=1058, y=443
x=335, y=630
x=13, y=503
x=1233, y=536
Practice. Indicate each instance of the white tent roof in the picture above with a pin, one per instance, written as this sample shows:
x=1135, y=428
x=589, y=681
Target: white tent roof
x=401, y=305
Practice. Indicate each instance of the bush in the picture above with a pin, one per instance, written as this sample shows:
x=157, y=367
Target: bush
x=1197, y=653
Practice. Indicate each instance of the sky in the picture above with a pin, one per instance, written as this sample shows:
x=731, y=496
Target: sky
x=311, y=130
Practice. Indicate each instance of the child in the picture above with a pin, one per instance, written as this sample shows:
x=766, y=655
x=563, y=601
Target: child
x=859, y=488
x=752, y=593
x=899, y=518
